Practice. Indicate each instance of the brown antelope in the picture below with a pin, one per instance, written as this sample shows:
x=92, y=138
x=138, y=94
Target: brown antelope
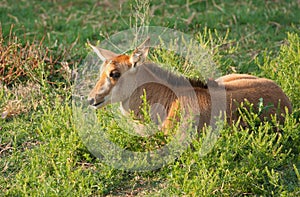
x=125, y=78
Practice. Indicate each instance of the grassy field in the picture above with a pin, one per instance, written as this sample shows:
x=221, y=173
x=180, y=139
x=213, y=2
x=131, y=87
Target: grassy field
x=41, y=152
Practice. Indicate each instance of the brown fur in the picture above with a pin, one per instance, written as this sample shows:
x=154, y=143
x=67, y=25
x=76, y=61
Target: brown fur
x=170, y=92
x=238, y=87
x=241, y=87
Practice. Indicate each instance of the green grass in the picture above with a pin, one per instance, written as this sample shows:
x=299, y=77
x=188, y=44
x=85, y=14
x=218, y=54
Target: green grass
x=41, y=151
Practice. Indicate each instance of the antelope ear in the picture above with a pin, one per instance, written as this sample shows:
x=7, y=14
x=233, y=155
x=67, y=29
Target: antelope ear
x=140, y=54
x=103, y=54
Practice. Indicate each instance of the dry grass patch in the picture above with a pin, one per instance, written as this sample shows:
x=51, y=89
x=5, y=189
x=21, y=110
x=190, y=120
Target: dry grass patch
x=24, y=70
x=29, y=62
x=21, y=99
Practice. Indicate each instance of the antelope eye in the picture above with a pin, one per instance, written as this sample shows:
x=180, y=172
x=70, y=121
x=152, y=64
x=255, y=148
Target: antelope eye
x=115, y=74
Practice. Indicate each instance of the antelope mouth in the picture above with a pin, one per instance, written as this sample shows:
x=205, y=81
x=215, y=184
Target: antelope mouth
x=98, y=105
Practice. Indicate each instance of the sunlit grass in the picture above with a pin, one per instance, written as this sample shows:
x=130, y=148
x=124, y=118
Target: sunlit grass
x=42, y=152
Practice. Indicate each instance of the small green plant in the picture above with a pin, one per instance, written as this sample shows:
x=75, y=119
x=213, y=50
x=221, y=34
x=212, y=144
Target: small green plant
x=250, y=114
x=145, y=109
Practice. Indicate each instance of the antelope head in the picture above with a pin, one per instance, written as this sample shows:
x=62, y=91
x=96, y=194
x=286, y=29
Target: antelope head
x=115, y=71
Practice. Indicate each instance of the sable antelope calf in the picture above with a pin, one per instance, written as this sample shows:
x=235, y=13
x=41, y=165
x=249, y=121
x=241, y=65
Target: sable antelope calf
x=125, y=78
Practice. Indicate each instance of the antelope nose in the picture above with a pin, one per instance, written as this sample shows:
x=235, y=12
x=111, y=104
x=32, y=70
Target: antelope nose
x=91, y=101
